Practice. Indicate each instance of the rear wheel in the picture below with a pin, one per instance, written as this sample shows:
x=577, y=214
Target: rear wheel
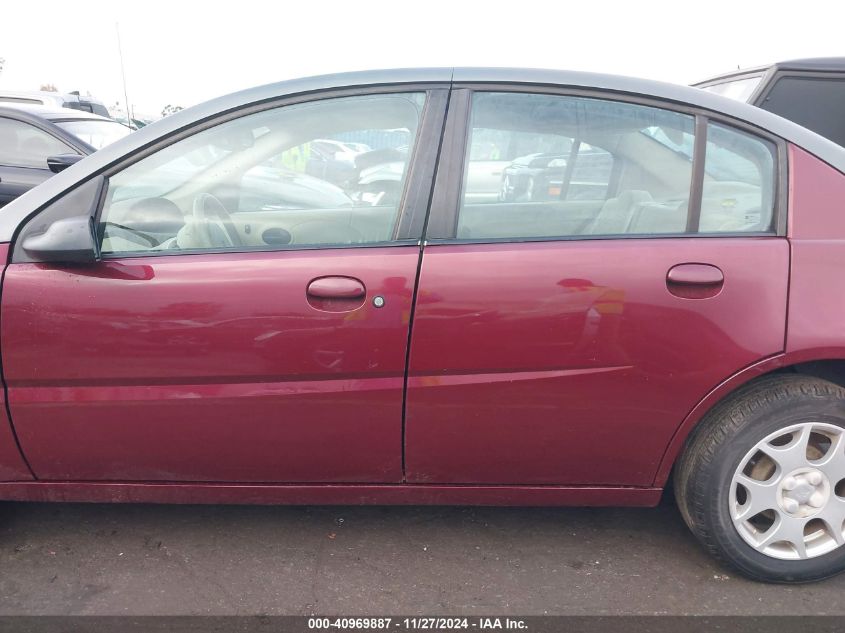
x=761, y=482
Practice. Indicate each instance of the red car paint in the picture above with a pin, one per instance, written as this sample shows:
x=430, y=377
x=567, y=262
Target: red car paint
x=817, y=235
x=157, y=376
x=815, y=327
x=575, y=363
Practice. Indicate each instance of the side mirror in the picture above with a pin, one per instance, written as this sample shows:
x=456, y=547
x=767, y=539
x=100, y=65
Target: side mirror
x=69, y=241
x=60, y=162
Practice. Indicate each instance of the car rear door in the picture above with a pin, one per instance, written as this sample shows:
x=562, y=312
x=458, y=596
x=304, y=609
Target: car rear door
x=247, y=322
x=562, y=339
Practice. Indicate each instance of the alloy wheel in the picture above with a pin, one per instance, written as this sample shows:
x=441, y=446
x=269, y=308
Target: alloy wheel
x=787, y=497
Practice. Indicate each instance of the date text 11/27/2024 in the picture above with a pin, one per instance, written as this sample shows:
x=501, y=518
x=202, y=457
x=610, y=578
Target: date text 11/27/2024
x=417, y=623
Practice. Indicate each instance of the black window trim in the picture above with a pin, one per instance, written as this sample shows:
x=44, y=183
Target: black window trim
x=574, y=152
x=446, y=199
x=696, y=190
x=414, y=203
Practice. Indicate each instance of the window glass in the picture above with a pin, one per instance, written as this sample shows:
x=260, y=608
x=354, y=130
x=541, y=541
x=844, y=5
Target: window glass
x=96, y=133
x=327, y=172
x=592, y=170
x=738, y=89
x=24, y=145
x=815, y=103
x=739, y=177
x=556, y=166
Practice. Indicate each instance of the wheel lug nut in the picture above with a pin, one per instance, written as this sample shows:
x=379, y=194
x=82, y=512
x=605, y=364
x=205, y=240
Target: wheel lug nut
x=790, y=483
x=817, y=500
x=791, y=505
x=815, y=478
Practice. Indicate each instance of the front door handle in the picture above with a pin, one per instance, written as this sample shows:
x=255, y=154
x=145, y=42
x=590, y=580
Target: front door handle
x=695, y=281
x=336, y=294
x=336, y=288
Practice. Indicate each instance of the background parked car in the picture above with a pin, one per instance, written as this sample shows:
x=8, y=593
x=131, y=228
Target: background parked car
x=37, y=141
x=810, y=92
x=542, y=177
x=72, y=100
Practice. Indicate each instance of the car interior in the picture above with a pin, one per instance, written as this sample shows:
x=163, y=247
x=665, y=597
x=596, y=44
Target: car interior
x=648, y=190
x=254, y=182
x=245, y=183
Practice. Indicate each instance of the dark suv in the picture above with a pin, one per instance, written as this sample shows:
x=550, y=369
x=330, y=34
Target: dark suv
x=810, y=92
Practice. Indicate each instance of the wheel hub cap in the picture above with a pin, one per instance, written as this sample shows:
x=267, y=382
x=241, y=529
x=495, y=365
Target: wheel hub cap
x=787, y=497
x=804, y=492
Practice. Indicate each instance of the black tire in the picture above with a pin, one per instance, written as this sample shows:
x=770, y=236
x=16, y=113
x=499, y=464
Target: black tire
x=713, y=452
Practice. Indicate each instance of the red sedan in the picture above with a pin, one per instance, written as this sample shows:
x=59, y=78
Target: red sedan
x=212, y=311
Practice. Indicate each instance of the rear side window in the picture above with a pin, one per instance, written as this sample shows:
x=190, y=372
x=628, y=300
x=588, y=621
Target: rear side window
x=24, y=145
x=546, y=166
x=738, y=185
x=816, y=104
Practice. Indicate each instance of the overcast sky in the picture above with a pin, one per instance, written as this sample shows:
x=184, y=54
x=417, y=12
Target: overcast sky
x=183, y=52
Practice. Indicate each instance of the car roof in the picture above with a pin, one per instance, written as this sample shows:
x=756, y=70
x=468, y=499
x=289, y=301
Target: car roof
x=810, y=64
x=32, y=94
x=49, y=95
x=100, y=161
x=820, y=64
x=51, y=113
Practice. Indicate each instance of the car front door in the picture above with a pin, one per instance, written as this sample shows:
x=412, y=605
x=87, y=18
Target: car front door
x=561, y=338
x=246, y=322
x=24, y=149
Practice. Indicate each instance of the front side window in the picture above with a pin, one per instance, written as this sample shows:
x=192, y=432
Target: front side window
x=545, y=166
x=24, y=145
x=323, y=173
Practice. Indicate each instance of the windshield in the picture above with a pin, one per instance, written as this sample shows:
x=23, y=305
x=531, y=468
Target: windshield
x=739, y=89
x=96, y=133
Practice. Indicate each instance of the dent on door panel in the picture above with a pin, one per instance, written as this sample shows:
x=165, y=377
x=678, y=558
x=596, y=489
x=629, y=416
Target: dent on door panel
x=571, y=362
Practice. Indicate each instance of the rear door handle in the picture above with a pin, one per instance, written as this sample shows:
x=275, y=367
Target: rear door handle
x=336, y=288
x=695, y=281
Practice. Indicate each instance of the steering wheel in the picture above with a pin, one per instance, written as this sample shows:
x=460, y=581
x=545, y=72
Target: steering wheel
x=213, y=223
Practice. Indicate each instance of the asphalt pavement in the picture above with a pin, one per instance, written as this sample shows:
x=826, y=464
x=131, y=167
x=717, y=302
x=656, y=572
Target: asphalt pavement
x=238, y=560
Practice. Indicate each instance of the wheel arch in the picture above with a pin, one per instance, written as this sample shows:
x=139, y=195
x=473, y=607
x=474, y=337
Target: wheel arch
x=826, y=363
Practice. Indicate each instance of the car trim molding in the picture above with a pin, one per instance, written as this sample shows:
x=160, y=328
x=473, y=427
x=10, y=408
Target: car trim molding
x=328, y=494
